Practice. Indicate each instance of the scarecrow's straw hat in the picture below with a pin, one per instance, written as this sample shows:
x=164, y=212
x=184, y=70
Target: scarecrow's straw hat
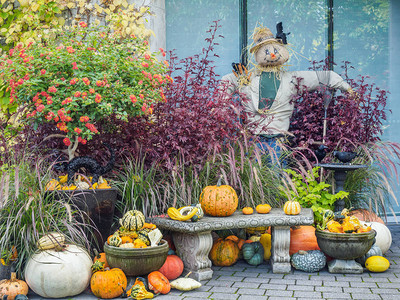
x=261, y=36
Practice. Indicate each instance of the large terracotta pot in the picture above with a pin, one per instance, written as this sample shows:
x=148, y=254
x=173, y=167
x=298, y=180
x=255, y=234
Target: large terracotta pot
x=345, y=246
x=136, y=262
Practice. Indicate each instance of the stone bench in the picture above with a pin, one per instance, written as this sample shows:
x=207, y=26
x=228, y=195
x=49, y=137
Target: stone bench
x=193, y=240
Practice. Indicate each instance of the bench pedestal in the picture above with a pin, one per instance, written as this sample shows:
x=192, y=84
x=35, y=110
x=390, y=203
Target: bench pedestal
x=193, y=250
x=193, y=241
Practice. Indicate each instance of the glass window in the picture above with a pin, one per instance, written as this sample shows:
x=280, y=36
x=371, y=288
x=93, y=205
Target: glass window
x=305, y=20
x=188, y=20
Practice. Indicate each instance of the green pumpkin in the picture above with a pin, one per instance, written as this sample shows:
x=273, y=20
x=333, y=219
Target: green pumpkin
x=253, y=253
x=309, y=261
x=374, y=251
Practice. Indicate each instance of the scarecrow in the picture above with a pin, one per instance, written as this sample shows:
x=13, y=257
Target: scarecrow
x=270, y=89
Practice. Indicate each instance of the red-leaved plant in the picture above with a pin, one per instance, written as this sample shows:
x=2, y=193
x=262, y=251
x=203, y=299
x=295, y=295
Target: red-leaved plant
x=350, y=120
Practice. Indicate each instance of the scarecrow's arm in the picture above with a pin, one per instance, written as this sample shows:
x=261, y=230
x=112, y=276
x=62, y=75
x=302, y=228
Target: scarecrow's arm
x=314, y=79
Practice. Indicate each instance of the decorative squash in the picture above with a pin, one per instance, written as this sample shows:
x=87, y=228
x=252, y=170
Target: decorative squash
x=219, y=200
x=334, y=226
x=224, y=253
x=51, y=240
x=303, y=238
x=383, y=235
x=309, y=261
x=144, y=236
x=115, y=240
x=139, y=290
x=149, y=226
x=158, y=283
x=172, y=268
x=132, y=220
x=232, y=238
x=127, y=245
x=185, y=284
x=52, y=185
x=101, y=257
x=366, y=215
x=377, y=264
x=261, y=230
x=374, y=251
x=107, y=284
x=126, y=239
x=263, y=208
x=253, y=253
x=59, y=274
x=247, y=210
x=265, y=240
x=138, y=243
x=13, y=287
x=292, y=207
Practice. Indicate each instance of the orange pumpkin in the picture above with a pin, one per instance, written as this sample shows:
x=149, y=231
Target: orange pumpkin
x=366, y=215
x=126, y=239
x=247, y=210
x=13, y=287
x=233, y=238
x=107, y=284
x=303, y=238
x=149, y=226
x=292, y=208
x=172, y=268
x=224, y=253
x=158, y=283
x=219, y=200
x=263, y=208
x=102, y=258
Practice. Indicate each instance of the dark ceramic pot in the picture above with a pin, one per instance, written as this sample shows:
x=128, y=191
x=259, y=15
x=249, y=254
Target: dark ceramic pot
x=136, y=262
x=98, y=205
x=5, y=272
x=345, y=246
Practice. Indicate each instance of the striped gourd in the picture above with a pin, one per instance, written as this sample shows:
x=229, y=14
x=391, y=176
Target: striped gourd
x=115, y=240
x=132, y=220
x=143, y=235
x=51, y=240
x=292, y=208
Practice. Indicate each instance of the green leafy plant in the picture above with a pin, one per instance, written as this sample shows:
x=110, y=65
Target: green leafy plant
x=303, y=186
x=86, y=75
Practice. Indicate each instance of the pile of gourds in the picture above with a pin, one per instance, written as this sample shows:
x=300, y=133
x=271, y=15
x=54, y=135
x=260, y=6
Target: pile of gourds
x=81, y=182
x=134, y=232
x=350, y=224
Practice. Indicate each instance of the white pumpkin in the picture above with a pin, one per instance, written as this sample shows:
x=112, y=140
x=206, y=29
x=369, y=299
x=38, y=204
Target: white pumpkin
x=383, y=235
x=59, y=274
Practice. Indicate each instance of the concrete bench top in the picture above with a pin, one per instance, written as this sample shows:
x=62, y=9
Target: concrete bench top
x=276, y=217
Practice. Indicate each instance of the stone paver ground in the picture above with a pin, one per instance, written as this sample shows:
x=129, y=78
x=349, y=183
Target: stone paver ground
x=244, y=282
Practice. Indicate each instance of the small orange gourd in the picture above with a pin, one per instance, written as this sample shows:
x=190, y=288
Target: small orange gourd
x=247, y=210
x=263, y=208
x=100, y=257
x=158, y=283
x=292, y=207
x=126, y=239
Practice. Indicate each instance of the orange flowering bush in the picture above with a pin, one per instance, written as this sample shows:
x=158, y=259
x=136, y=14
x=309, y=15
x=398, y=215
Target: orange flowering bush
x=85, y=75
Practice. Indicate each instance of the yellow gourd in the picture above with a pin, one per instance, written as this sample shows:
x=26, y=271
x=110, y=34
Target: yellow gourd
x=334, y=226
x=265, y=240
x=377, y=264
x=52, y=185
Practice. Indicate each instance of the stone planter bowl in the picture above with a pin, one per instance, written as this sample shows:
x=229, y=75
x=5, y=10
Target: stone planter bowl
x=345, y=246
x=136, y=262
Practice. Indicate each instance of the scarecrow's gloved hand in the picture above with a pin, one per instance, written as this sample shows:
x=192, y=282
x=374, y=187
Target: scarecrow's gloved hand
x=242, y=74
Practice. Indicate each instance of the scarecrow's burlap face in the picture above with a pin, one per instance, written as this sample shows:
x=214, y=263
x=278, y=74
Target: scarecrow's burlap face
x=271, y=54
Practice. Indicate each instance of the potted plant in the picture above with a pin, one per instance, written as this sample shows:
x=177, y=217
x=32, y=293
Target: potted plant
x=27, y=214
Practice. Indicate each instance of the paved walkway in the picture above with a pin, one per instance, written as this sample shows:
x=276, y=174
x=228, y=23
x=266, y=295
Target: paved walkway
x=242, y=281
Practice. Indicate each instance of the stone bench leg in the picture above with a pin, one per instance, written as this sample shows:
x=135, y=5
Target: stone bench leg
x=280, y=258
x=193, y=250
